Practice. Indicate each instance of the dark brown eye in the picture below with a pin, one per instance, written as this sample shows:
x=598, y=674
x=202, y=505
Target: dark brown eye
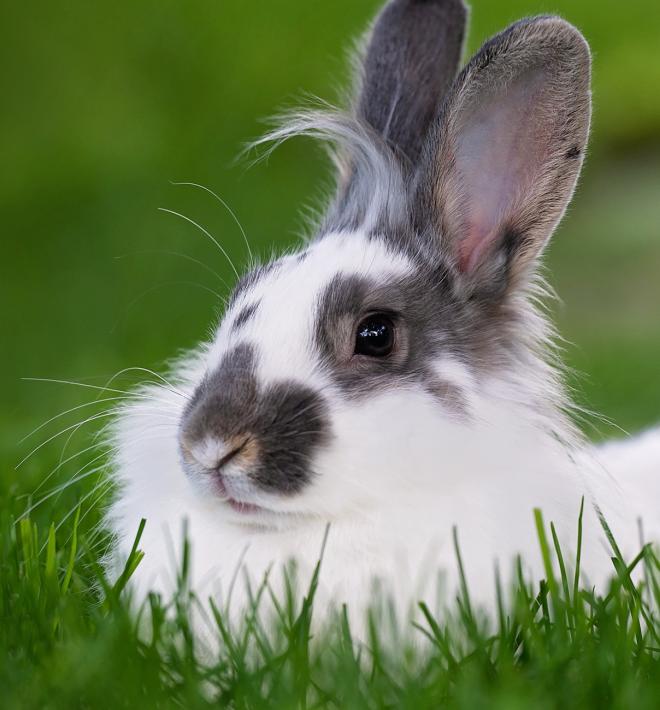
x=375, y=336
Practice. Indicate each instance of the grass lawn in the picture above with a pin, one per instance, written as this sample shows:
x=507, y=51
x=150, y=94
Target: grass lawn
x=557, y=646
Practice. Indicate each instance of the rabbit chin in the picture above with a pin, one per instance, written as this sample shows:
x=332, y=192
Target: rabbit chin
x=400, y=474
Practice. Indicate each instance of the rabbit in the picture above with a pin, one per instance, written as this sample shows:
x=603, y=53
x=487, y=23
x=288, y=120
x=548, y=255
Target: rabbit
x=392, y=387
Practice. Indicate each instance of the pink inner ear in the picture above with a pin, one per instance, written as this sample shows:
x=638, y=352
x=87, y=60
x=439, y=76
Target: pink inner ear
x=499, y=152
x=473, y=248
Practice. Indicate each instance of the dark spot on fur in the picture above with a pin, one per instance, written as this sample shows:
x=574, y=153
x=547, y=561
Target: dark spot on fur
x=244, y=315
x=574, y=152
x=511, y=242
x=449, y=396
x=302, y=256
x=249, y=280
x=287, y=421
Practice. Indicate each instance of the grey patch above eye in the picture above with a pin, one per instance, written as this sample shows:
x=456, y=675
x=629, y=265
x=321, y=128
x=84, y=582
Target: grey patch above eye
x=244, y=315
x=286, y=422
x=424, y=314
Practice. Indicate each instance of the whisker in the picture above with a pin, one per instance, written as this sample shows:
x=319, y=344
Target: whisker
x=95, y=417
x=77, y=384
x=102, y=486
x=124, y=398
x=204, y=231
x=63, y=431
x=81, y=475
x=171, y=387
x=136, y=395
x=68, y=411
x=68, y=460
x=226, y=206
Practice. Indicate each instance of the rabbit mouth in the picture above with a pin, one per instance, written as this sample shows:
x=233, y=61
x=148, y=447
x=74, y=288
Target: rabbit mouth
x=236, y=504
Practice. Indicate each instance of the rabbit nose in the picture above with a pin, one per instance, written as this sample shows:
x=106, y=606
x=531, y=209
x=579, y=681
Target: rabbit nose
x=231, y=454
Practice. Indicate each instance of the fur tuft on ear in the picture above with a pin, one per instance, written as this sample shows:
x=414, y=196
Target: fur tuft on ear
x=410, y=60
x=508, y=150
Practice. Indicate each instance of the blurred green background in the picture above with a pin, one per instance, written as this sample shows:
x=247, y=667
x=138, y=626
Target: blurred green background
x=104, y=104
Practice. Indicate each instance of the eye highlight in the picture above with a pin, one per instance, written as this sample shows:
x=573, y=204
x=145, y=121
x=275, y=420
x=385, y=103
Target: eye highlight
x=375, y=336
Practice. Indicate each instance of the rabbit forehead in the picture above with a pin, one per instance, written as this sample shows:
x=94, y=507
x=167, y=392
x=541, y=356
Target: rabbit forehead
x=276, y=307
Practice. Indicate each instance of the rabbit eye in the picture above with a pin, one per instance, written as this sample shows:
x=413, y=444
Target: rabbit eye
x=375, y=336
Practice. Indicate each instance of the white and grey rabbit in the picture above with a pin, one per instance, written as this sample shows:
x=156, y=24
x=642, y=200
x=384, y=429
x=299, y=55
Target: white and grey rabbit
x=395, y=377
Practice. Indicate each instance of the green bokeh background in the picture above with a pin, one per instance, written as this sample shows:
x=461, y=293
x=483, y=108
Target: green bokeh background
x=104, y=104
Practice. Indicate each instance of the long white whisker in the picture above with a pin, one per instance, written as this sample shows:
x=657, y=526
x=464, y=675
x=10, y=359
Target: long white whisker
x=81, y=475
x=135, y=395
x=101, y=486
x=123, y=398
x=95, y=417
x=226, y=206
x=77, y=384
x=68, y=411
x=204, y=231
x=103, y=453
x=171, y=387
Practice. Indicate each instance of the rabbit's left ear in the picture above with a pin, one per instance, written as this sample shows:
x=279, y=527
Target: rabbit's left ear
x=508, y=149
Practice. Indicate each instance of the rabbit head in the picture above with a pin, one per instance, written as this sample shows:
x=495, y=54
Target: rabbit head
x=345, y=373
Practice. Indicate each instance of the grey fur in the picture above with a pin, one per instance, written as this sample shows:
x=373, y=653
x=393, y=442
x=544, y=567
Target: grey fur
x=286, y=421
x=412, y=58
x=244, y=315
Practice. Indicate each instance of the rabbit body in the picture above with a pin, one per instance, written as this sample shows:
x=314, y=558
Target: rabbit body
x=394, y=380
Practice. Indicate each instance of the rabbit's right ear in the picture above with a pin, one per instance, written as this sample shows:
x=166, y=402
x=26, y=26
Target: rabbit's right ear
x=506, y=154
x=412, y=58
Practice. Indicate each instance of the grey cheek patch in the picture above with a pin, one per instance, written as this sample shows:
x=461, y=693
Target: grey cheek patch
x=293, y=423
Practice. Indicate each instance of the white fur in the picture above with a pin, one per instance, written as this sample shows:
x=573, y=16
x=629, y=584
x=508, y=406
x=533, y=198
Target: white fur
x=401, y=471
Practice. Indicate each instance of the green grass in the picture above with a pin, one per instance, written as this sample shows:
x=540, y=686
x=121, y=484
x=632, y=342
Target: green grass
x=103, y=105
x=556, y=646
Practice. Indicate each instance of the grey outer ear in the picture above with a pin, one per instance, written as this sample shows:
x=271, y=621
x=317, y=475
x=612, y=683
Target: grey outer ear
x=504, y=160
x=412, y=57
